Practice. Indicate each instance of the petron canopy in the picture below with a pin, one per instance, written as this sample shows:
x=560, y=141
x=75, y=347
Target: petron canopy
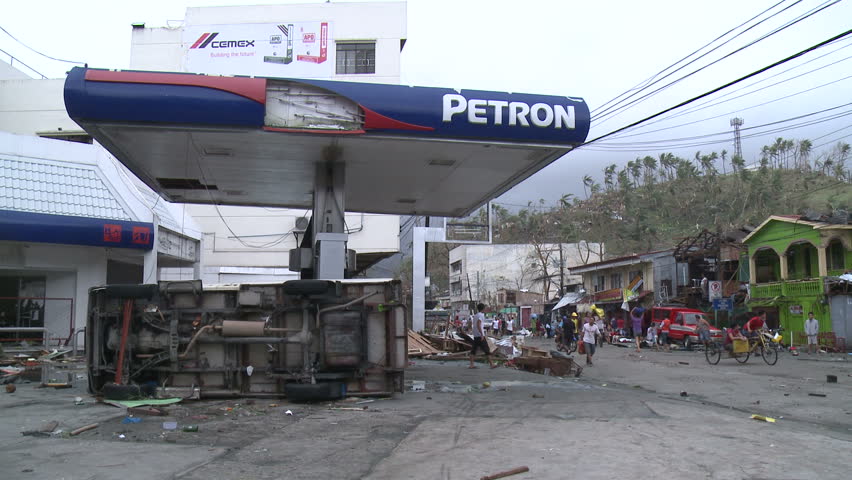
x=257, y=141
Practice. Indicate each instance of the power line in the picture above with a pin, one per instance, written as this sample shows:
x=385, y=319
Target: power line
x=708, y=135
x=701, y=105
x=36, y=51
x=648, y=83
x=739, y=109
x=722, y=87
x=789, y=24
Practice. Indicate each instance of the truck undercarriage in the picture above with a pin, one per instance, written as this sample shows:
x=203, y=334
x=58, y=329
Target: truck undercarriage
x=304, y=339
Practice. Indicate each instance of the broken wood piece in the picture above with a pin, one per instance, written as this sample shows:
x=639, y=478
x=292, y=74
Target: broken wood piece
x=359, y=409
x=507, y=473
x=84, y=429
x=156, y=412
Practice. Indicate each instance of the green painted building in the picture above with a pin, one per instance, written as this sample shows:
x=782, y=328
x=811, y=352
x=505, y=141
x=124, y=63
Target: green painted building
x=789, y=259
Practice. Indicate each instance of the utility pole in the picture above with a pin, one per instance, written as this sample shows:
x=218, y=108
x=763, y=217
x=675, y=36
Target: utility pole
x=561, y=273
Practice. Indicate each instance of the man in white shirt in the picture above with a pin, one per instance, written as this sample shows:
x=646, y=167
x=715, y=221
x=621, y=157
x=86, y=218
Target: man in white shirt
x=590, y=334
x=495, y=326
x=479, y=341
x=812, y=330
x=510, y=325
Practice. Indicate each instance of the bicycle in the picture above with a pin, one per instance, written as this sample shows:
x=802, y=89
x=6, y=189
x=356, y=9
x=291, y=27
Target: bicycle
x=562, y=346
x=758, y=345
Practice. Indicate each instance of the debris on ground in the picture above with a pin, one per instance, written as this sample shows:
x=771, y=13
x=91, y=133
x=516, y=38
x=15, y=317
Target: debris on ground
x=418, y=346
x=10, y=374
x=763, y=418
x=43, y=431
x=83, y=429
x=10, y=388
x=817, y=394
x=507, y=473
x=141, y=403
x=559, y=367
x=154, y=412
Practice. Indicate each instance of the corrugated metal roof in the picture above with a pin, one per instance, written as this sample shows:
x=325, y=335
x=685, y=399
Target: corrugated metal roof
x=41, y=187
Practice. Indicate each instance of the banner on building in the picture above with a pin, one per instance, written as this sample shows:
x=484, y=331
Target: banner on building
x=285, y=49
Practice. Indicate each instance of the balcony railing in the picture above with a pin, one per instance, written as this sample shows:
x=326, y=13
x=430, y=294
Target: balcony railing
x=797, y=288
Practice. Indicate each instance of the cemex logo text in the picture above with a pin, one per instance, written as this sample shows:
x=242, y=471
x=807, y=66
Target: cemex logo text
x=207, y=39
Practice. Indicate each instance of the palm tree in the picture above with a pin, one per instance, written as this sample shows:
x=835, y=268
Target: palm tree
x=635, y=170
x=737, y=163
x=804, y=153
x=587, y=182
x=609, y=173
x=650, y=164
x=724, y=155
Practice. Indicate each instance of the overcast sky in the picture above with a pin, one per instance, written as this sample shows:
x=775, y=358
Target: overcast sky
x=591, y=49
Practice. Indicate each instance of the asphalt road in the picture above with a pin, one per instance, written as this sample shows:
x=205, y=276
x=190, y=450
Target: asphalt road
x=624, y=417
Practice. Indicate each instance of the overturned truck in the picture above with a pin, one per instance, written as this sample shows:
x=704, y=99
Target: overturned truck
x=304, y=339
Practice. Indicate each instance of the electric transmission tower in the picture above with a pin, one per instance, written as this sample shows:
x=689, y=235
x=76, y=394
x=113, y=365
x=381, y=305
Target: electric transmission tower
x=737, y=122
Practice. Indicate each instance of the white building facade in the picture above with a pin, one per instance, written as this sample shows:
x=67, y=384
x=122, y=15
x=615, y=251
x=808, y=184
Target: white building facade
x=479, y=271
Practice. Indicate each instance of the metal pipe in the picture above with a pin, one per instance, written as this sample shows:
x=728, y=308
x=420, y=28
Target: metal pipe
x=194, y=338
x=250, y=340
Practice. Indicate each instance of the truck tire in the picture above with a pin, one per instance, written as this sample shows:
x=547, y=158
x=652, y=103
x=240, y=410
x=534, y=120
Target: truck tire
x=112, y=391
x=315, y=392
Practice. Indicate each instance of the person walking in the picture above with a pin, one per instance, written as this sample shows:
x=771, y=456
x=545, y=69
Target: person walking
x=600, y=324
x=510, y=325
x=664, y=334
x=636, y=318
x=495, y=325
x=479, y=342
x=590, y=334
x=812, y=331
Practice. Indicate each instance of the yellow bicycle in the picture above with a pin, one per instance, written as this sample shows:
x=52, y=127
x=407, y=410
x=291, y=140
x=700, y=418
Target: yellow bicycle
x=767, y=348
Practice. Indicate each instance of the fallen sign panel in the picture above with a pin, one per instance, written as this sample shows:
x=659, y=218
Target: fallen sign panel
x=256, y=141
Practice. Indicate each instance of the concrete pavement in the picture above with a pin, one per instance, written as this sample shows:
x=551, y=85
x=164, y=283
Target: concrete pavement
x=623, y=418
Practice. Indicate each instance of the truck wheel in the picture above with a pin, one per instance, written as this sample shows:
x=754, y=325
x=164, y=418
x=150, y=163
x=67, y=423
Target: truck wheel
x=112, y=391
x=687, y=343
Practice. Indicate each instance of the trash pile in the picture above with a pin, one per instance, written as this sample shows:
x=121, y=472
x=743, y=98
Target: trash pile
x=43, y=367
x=455, y=345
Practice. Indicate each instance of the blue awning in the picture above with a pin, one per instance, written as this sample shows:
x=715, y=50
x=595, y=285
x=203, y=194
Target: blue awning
x=68, y=230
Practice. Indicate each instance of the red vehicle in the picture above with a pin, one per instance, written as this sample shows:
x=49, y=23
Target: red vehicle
x=684, y=324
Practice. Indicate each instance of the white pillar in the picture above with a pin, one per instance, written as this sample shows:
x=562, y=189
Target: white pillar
x=421, y=235
x=822, y=260
x=752, y=269
x=150, y=272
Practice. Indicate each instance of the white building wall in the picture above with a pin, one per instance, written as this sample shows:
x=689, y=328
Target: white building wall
x=384, y=22
x=30, y=107
x=70, y=271
x=488, y=268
